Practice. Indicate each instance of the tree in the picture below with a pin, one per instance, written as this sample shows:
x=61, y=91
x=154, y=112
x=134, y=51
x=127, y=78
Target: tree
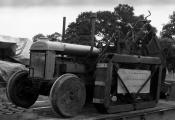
x=168, y=49
x=79, y=32
x=167, y=42
x=37, y=37
x=119, y=22
x=54, y=37
x=168, y=29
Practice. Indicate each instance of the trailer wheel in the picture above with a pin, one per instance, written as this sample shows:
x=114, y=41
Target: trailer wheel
x=20, y=90
x=68, y=95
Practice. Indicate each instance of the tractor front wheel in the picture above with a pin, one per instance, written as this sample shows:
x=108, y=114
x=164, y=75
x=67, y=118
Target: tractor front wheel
x=20, y=90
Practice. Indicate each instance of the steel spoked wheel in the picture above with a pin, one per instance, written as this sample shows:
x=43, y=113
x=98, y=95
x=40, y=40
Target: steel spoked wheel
x=68, y=95
x=20, y=90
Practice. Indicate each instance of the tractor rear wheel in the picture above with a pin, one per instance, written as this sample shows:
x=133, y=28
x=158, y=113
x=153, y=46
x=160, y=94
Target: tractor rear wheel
x=68, y=95
x=20, y=90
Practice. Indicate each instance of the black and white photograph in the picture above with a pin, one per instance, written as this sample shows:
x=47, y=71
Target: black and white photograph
x=87, y=59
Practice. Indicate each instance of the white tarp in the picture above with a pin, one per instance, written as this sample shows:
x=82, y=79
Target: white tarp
x=20, y=47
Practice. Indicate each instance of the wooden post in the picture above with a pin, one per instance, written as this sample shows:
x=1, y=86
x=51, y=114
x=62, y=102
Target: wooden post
x=64, y=27
x=93, y=19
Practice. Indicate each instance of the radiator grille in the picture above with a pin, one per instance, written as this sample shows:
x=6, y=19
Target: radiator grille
x=37, y=64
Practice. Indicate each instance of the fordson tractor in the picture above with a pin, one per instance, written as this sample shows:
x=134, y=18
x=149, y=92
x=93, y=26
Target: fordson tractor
x=73, y=75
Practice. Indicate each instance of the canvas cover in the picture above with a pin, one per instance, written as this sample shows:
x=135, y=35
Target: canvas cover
x=8, y=68
x=14, y=55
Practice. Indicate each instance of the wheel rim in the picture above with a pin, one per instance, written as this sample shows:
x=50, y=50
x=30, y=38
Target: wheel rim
x=68, y=96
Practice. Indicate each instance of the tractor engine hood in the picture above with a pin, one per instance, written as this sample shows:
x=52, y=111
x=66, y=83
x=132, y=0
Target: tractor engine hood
x=64, y=48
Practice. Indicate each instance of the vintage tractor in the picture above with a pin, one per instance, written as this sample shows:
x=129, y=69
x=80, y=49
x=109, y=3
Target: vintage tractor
x=72, y=75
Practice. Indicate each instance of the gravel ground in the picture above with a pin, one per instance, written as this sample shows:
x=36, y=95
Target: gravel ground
x=42, y=113
x=9, y=111
x=41, y=110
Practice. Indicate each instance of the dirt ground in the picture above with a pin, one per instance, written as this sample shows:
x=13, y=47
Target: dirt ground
x=9, y=111
x=41, y=110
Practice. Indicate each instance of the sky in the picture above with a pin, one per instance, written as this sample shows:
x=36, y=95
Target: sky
x=26, y=18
